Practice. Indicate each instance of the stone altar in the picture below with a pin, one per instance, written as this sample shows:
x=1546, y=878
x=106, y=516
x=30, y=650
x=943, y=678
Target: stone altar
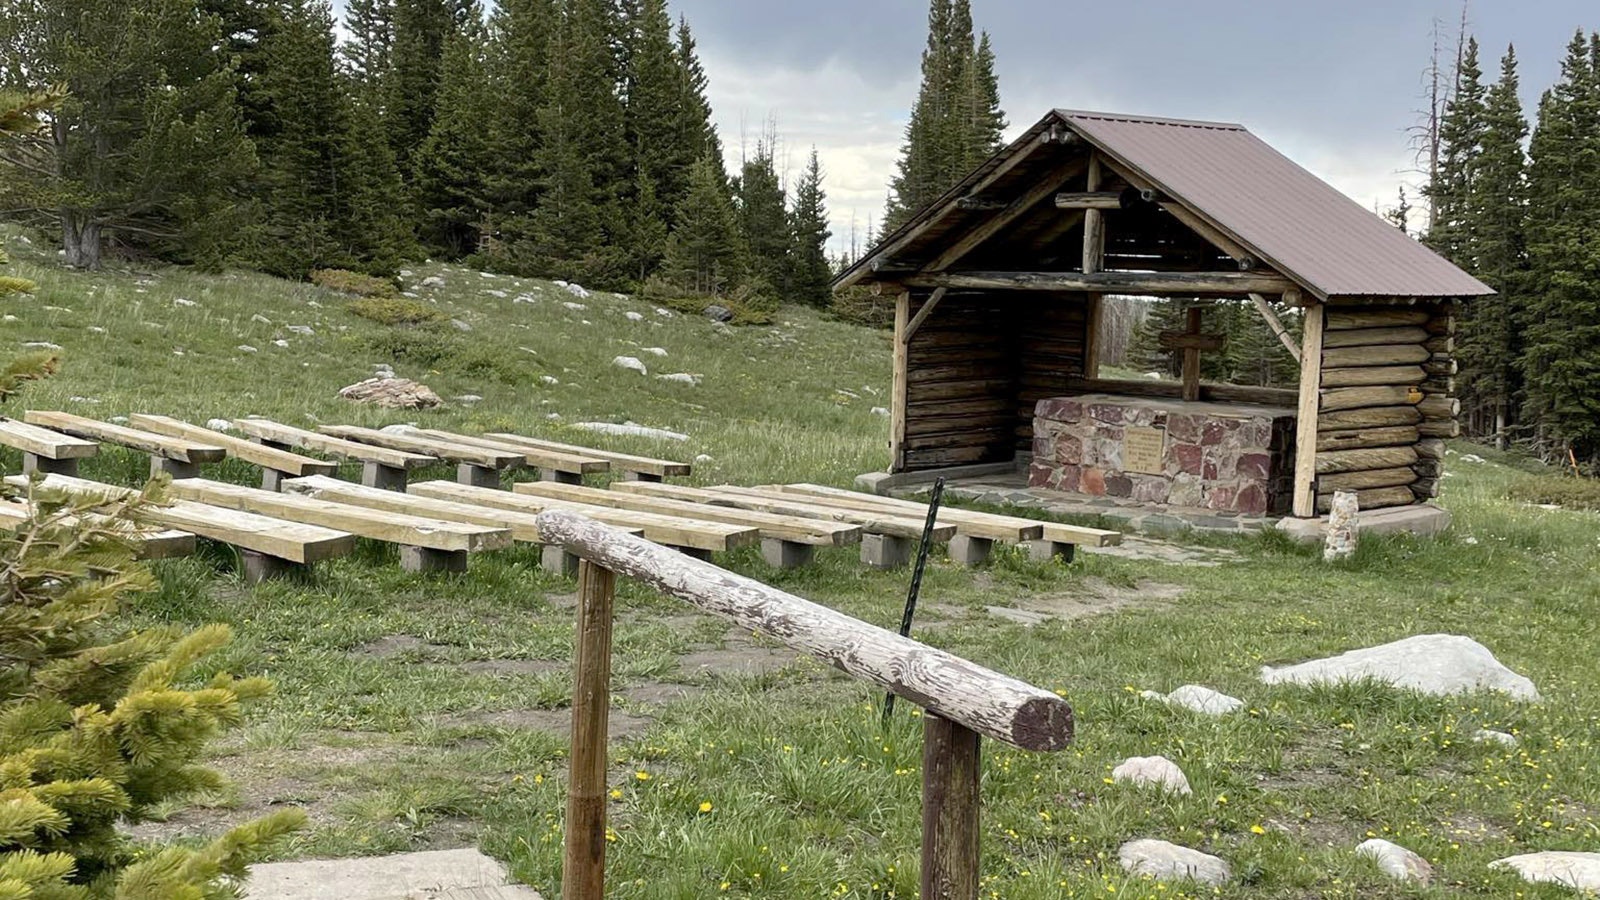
x=1230, y=457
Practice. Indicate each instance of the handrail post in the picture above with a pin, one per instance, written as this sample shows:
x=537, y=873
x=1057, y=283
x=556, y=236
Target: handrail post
x=583, y=871
x=950, y=837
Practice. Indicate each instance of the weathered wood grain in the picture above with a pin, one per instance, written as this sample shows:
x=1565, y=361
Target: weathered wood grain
x=239, y=448
x=44, y=442
x=143, y=441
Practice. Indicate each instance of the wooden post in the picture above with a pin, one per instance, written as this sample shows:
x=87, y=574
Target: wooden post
x=897, y=402
x=1305, y=442
x=1191, y=357
x=1094, y=250
x=950, y=836
x=583, y=873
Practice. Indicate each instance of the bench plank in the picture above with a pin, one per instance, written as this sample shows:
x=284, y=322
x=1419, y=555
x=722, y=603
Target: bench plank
x=871, y=521
x=627, y=462
x=992, y=526
x=237, y=447
x=143, y=441
x=426, y=446
x=150, y=543
x=795, y=529
x=44, y=442
x=394, y=528
x=560, y=461
x=523, y=525
x=673, y=531
x=292, y=541
x=338, y=448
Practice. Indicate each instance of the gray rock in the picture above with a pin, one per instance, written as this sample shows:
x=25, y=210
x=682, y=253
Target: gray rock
x=432, y=281
x=95, y=329
x=468, y=398
x=1485, y=735
x=219, y=425
x=391, y=393
x=461, y=325
x=1569, y=868
x=1396, y=861
x=280, y=342
x=880, y=411
x=550, y=380
x=631, y=363
x=182, y=302
x=632, y=316
x=41, y=345
x=655, y=351
x=1198, y=698
x=245, y=348
x=258, y=317
x=302, y=330
x=718, y=313
x=1152, y=770
x=1436, y=664
x=1163, y=860
x=663, y=312
x=680, y=377
x=575, y=307
x=398, y=428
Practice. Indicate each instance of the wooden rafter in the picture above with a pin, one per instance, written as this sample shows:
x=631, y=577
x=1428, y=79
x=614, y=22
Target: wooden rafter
x=988, y=228
x=1264, y=307
x=923, y=314
x=1238, y=283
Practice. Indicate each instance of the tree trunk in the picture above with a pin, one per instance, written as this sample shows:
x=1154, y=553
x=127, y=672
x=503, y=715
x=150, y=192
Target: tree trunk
x=81, y=240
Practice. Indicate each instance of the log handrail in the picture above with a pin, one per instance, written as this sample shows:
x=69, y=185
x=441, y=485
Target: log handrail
x=956, y=689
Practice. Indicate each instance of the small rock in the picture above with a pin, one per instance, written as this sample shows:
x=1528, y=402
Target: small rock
x=496, y=292
x=630, y=362
x=655, y=351
x=632, y=316
x=258, y=317
x=718, y=313
x=56, y=308
x=303, y=330
x=664, y=313
x=461, y=325
x=1162, y=860
x=8, y=317
x=245, y=348
x=553, y=417
x=880, y=411
x=702, y=458
x=219, y=425
x=405, y=273
x=182, y=302
x=314, y=303
x=575, y=307
x=1152, y=770
x=391, y=393
x=680, y=377
x=1570, y=868
x=41, y=345
x=432, y=281
x=1437, y=664
x=631, y=429
x=280, y=342
x=468, y=398
x=77, y=399
x=1485, y=735
x=577, y=290
x=549, y=379
x=177, y=351
x=398, y=428
x=96, y=329
x=1198, y=698
x=486, y=275
x=118, y=420
x=1396, y=861
x=1471, y=458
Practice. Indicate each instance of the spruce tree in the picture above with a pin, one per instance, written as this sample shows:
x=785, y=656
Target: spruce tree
x=148, y=144
x=1460, y=131
x=703, y=253
x=367, y=54
x=1561, y=363
x=519, y=60
x=763, y=222
x=658, y=104
x=421, y=29
x=809, y=272
x=987, y=122
x=697, y=138
x=1496, y=210
x=450, y=167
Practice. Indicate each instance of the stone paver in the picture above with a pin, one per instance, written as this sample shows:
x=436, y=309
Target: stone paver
x=429, y=875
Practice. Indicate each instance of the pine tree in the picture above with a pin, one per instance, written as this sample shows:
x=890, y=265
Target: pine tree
x=519, y=61
x=809, y=272
x=1561, y=364
x=657, y=105
x=148, y=145
x=987, y=120
x=421, y=29
x=20, y=119
x=763, y=223
x=703, y=253
x=1460, y=131
x=697, y=136
x=1496, y=210
x=367, y=54
x=449, y=169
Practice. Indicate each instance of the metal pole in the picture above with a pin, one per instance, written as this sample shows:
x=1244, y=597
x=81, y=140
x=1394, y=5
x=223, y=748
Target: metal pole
x=916, y=578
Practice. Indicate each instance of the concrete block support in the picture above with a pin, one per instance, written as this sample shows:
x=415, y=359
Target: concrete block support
x=32, y=462
x=272, y=480
x=970, y=551
x=882, y=551
x=555, y=559
x=477, y=476
x=560, y=477
x=785, y=554
x=1044, y=551
x=259, y=567
x=174, y=467
x=389, y=478
x=428, y=560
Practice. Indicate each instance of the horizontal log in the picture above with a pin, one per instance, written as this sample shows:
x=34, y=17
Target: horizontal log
x=1361, y=438
x=1376, y=417
x=936, y=374
x=1425, y=488
x=1182, y=340
x=1110, y=282
x=1442, y=385
x=1089, y=200
x=1361, y=397
x=1440, y=344
x=977, y=698
x=1431, y=448
x=966, y=437
x=1439, y=406
x=935, y=408
x=917, y=460
x=1377, y=498
x=1440, y=428
x=1217, y=393
x=1366, y=479
x=1360, y=460
x=1374, y=317
x=961, y=390
x=1428, y=468
x=1372, y=375
x=1373, y=337
x=1385, y=355
x=1441, y=324
x=924, y=426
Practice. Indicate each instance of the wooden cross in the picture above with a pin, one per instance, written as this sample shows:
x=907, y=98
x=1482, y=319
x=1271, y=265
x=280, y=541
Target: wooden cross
x=1191, y=341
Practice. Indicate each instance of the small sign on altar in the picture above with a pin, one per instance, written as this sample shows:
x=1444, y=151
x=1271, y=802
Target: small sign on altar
x=1143, y=450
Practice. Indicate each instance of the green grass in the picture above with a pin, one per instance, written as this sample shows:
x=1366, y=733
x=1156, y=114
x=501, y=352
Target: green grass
x=397, y=729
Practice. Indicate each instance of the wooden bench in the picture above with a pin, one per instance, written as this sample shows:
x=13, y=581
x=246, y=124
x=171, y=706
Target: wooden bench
x=178, y=457
x=696, y=537
x=426, y=545
x=553, y=465
x=270, y=547
x=886, y=542
x=522, y=525
x=478, y=466
x=44, y=450
x=634, y=468
x=149, y=543
x=380, y=466
x=976, y=532
x=275, y=464
x=786, y=541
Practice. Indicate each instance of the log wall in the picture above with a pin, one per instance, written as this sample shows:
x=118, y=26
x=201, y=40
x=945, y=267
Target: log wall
x=1386, y=402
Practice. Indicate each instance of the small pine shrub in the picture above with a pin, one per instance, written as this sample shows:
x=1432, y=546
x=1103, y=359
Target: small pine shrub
x=858, y=306
x=347, y=282
x=395, y=311
x=750, y=306
x=422, y=347
x=1566, y=491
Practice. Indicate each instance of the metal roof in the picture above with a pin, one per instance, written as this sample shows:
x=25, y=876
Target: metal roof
x=1237, y=183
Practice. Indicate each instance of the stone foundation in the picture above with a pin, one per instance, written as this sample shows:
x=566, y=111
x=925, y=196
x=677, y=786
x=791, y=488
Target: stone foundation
x=1229, y=457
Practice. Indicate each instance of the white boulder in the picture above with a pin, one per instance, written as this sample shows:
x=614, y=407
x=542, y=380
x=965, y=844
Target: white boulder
x=655, y=351
x=633, y=316
x=630, y=429
x=182, y=302
x=680, y=377
x=219, y=425
x=1197, y=698
x=1163, y=860
x=1152, y=770
x=576, y=290
x=1564, y=867
x=245, y=348
x=1437, y=664
x=258, y=317
x=1396, y=861
x=575, y=307
x=630, y=362
x=1486, y=735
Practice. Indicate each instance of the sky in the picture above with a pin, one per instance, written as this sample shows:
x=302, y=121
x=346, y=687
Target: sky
x=1333, y=85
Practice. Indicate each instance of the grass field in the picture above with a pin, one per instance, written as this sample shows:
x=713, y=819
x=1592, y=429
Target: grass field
x=418, y=712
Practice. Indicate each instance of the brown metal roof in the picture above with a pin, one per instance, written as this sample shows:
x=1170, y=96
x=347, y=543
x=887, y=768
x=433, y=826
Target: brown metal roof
x=1289, y=218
